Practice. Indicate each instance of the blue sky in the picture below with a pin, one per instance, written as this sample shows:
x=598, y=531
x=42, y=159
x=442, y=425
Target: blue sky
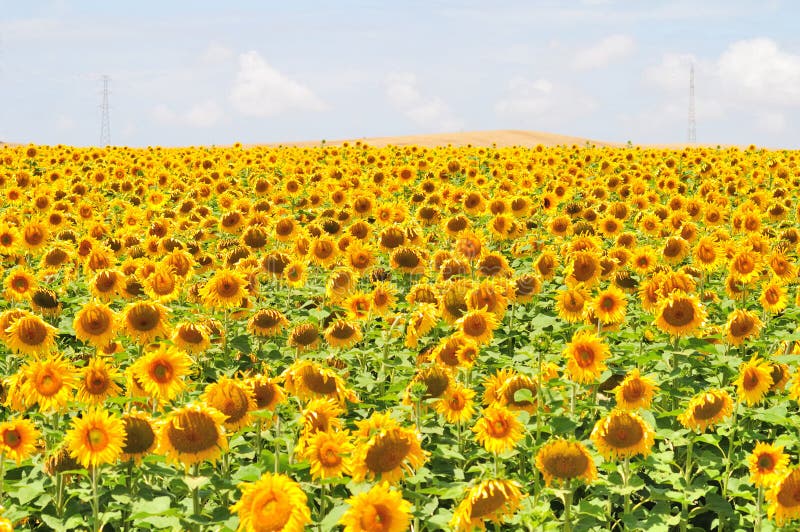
x=202, y=72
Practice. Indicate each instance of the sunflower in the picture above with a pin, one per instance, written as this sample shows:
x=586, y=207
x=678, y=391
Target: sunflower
x=387, y=453
x=469, y=245
x=586, y=354
x=48, y=382
x=408, y=260
x=707, y=253
x=328, y=452
x=308, y=380
x=319, y=415
x=233, y=399
x=382, y=298
x=225, y=289
x=505, y=385
x=420, y=322
x=358, y=306
x=680, y=314
x=526, y=287
x=584, y=268
x=144, y=321
x=773, y=297
x=622, y=434
x=31, y=335
x=96, y=438
x=428, y=383
x=95, y=323
x=266, y=392
x=635, y=391
x=609, y=305
x=456, y=404
x=742, y=324
x=498, y=429
x=45, y=302
x=98, y=381
x=19, y=284
x=343, y=333
x=140, y=436
x=706, y=409
x=754, y=381
x=164, y=284
x=108, y=284
x=191, y=337
x=275, y=502
x=478, y=325
x=161, y=372
x=492, y=500
x=296, y=273
x=453, y=300
x=381, y=509
x=192, y=434
x=572, y=303
x=782, y=267
x=10, y=241
x=563, y=460
x=304, y=337
x=360, y=257
x=745, y=266
x=490, y=295
x=767, y=462
x=18, y=439
x=323, y=252
x=784, y=497
x=266, y=323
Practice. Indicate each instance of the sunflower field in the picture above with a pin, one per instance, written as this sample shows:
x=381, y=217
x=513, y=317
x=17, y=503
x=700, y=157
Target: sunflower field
x=401, y=338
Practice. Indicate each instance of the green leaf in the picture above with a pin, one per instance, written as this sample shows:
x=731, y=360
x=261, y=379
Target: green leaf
x=146, y=508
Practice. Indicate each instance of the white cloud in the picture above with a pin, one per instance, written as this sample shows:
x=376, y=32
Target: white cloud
x=544, y=99
x=760, y=71
x=204, y=114
x=163, y=114
x=603, y=53
x=429, y=113
x=216, y=53
x=261, y=90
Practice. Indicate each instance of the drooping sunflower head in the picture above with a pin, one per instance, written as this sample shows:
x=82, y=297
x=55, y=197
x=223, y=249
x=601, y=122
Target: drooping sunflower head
x=192, y=434
x=388, y=454
x=635, y=391
x=435, y=381
x=274, y=502
x=754, y=381
x=706, y=409
x=742, y=325
x=31, y=335
x=191, y=337
x=343, y=333
x=622, y=434
x=232, y=398
x=266, y=322
x=381, y=509
x=308, y=380
x=784, y=497
x=562, y=460
x=140, y=436
x=304, y=337
x=45, y=302
x=144, y=321
x=491, y=500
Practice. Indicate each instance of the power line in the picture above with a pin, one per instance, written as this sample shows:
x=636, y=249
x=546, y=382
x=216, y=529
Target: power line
x=105, y=123
x=692, y=121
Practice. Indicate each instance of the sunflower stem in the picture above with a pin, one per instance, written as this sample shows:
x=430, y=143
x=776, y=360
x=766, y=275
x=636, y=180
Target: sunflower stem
x=687, y=477
x=2, y=476
x=95, y=501
x=59, y=502
x=225, y=335
x=759, y=504
x=259, y=443
x=496, y=465
x=196, y=492
x=568, y=493
x=573, y=392
x=277, y=442
x=626, y=472
x=729, y=456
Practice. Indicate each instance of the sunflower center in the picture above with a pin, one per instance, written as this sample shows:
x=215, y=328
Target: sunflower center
x=584, y=356
x=457, y=402
x=789, y=493
x=765, y=462
x=95, y=322
x=607, y=303
x=376, y=518
x=750, y=379
x=623, y=432
x=329, y=455
x=487, y=504
x=144, y=318
x=96, y=439
x=499, y=428
x=633, y=391
x=97, y=382
x=742, y=326
x=20, y=284
x=679, y=313
x=387, y=453
x=161, y=372
x=48, y=384
x=32, y=332
x=475, y=325
x=264, y=393
x=317, y=382
x=11, y=438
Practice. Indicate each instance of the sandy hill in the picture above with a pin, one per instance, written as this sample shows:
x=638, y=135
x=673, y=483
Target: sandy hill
x=502, y=137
